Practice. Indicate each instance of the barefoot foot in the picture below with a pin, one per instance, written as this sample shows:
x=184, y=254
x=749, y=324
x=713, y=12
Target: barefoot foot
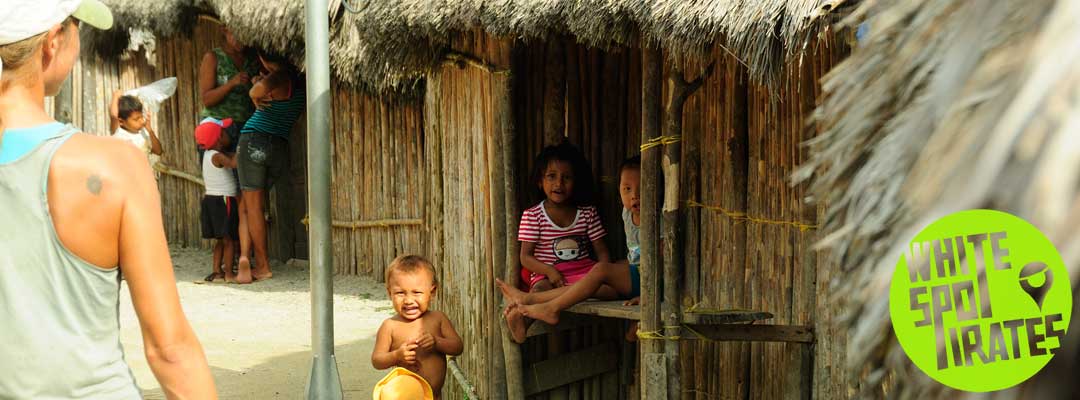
x=243, y=271
x=544, y=312
x=631, y=334
x=516, y=322
x=512, y=294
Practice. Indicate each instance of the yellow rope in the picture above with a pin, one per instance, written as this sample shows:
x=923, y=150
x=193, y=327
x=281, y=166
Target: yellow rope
x=661, y=141
x=657, y=335
x=741, y=216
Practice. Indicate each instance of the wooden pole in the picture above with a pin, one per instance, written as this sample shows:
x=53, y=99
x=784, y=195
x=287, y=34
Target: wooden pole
x=654, y=384
x=680, y=90
x=503, y=108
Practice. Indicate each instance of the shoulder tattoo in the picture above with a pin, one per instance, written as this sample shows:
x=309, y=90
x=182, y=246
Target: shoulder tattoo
x=93, y=184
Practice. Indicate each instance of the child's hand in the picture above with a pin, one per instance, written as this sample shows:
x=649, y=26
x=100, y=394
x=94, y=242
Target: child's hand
x=425, y=341
x=555, y=278
x=634, y=301
x=407, y=353
x=146, y=119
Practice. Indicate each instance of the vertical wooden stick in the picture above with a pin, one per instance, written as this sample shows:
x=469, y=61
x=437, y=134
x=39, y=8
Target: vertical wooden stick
x=652, y=65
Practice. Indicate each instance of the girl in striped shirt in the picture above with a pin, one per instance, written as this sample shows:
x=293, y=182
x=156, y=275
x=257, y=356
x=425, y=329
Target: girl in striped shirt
x=561, y=237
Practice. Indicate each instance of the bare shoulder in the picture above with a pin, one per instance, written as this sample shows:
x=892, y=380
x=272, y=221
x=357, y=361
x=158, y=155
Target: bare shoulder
x=209, y=57
x=112, y=160
x=437, y=315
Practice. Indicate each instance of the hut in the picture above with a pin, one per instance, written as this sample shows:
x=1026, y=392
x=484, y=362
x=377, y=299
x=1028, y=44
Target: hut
x=439, y=108
x=977, y=110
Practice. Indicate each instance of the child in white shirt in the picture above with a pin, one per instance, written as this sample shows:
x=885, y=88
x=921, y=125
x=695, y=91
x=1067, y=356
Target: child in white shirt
x=130, y=123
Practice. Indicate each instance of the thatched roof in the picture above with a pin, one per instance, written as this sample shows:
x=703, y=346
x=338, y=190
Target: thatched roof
x=389, y=43
x=948, y=105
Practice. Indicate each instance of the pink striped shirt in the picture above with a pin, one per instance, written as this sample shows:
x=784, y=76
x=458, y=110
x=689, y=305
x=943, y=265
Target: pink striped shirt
x=560, y=244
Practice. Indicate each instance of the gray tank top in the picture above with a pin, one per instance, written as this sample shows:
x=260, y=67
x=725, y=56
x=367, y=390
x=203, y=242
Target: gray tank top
x=59, y=315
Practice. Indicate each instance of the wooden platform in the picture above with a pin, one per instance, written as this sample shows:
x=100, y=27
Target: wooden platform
x=579, y=314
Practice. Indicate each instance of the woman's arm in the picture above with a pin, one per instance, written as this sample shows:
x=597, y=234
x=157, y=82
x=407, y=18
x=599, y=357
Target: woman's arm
x=448, y=342
x=172, y=349
x=211, y=94
x=271, y=87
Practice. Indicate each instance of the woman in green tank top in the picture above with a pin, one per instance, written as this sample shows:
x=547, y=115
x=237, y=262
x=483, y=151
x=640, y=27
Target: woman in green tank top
x=224, y=81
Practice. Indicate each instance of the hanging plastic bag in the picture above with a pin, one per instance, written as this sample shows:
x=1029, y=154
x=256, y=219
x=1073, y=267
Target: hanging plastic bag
x=154, y=94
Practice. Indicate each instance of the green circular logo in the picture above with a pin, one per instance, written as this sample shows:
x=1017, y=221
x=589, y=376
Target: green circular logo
x=980, y=301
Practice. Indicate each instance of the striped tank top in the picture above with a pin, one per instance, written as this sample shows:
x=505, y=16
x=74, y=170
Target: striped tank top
x=279, y=116
x=59, y=315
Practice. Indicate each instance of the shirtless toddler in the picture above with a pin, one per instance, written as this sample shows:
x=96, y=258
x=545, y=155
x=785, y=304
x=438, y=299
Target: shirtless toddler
x=415, y=338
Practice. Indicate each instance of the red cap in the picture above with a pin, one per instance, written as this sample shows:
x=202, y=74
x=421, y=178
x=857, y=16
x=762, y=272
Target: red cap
x=208, y=132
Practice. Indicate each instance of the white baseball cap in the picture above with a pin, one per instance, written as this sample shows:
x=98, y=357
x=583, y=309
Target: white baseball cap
x=21, y=19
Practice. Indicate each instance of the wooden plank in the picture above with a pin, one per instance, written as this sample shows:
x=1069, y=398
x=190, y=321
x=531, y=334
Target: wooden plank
x=572, y=367
x=567, y=321
x=609, y=309
x=751, y=333
x=616, y=309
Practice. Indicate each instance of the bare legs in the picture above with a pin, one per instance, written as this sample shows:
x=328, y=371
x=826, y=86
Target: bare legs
x=256, y=224
x=245, y=239
x=227, y=258
x=604, y=279
x=219, y=249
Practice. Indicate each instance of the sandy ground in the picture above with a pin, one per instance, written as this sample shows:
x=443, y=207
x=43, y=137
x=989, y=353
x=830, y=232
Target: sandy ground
x=257, y=337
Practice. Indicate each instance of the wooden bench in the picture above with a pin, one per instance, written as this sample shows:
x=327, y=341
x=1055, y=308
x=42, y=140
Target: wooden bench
x=726, y=325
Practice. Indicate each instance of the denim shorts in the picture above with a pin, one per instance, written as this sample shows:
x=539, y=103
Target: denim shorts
x=262, y=159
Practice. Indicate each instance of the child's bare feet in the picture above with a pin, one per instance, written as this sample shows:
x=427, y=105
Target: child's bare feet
x=511, y=293
x=516, y=322
x=243, y=272
x=544, y=311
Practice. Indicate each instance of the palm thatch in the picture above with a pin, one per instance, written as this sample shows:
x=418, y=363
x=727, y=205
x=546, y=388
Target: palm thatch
x=949, y=105
x=389, y=44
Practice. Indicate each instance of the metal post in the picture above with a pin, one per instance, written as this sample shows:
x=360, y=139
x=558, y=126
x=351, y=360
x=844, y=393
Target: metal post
x=323, y=381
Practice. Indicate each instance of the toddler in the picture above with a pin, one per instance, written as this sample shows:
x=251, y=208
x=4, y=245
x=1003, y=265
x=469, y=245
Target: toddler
x=415, y=338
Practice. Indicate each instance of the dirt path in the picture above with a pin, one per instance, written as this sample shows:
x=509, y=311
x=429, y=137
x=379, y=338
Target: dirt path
x=257, y=337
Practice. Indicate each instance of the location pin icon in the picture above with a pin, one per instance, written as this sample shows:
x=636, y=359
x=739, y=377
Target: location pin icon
x=1031, y=270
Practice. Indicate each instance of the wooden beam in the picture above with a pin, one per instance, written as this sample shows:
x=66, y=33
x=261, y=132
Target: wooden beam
x=751, y=333
x=651, y=88
x=616, y=309
x=571, y=367
x=504, y=110
x=724, y=317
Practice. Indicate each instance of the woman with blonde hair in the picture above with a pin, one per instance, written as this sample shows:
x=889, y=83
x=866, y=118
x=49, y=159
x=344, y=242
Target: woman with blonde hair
x=77, y=209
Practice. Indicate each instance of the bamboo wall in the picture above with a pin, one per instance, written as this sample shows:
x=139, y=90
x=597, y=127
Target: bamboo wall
x=741, y=144
x=466, y=227
x=377, y=166
x=741, y=141
x=377, y=181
